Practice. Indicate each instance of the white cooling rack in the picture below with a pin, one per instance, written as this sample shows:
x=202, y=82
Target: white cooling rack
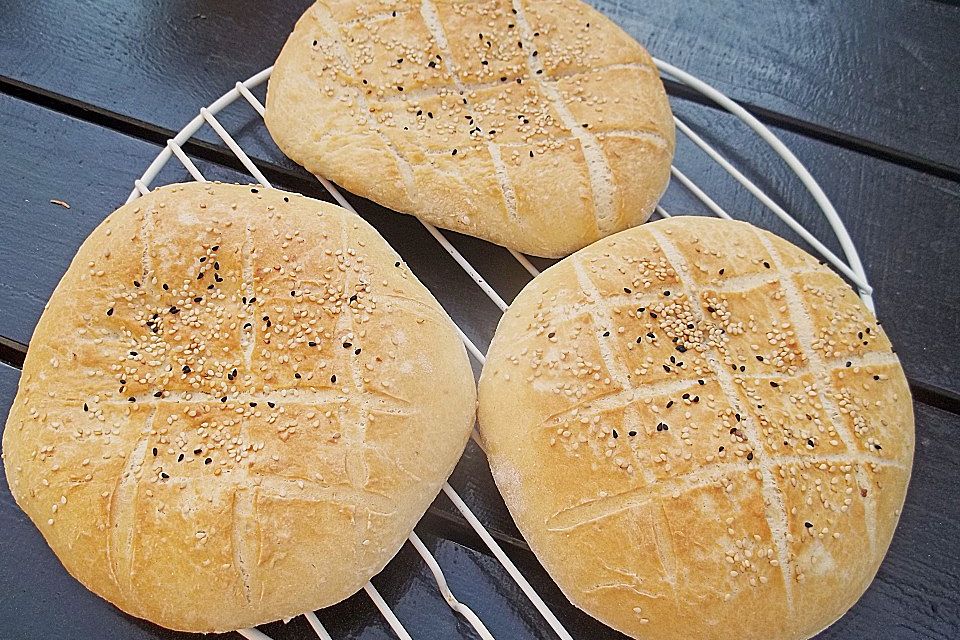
x=851, y=268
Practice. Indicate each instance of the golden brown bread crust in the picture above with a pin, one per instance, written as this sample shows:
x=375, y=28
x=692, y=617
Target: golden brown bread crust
x=701, y=432
x=538, y=125
x=235, y=407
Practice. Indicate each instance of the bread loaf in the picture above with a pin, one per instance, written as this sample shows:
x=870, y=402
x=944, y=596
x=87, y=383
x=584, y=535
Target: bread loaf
x=701, y=432
x=235, y=407
x=538, y=125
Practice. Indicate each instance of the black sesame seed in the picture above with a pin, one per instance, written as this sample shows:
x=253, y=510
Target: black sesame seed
x=272, y=405
x=552, y=334
x=876, y=377
x=110, y=311
x=158, y=394
x=312, y=343
x=666, y=368
x=207, y=461
x=627, y=290
x=154, y=451
x=397, y=263
x=197, y=452
x=254, y=191
x=297, y=376
x=356, y=352
x=774, y=384
x=759, y=358
x=333, y=379
x=198, y=299
x=606, y=334
x=347, y=345
x=615, y=434
x=203, y=259
x=669, y=404
x=180, y=458
x=808, y=524
x=286, y=199
x=166, y=287
x=136, y=283
x=766, y=264
x=164, y=475
x=682, y=349
x=85, y=408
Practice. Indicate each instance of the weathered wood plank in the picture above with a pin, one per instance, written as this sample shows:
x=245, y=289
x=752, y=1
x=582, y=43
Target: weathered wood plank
x=882, y=76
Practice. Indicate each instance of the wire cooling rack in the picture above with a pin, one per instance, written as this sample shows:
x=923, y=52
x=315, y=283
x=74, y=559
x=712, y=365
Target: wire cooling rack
x=851, y=267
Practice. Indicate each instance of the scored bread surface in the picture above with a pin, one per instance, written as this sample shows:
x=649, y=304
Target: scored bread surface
x=538, y=125
x=701, y=431
x=235, y=407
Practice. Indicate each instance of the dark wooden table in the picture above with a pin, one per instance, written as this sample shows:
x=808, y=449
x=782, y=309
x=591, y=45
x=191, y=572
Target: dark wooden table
x=866, y=94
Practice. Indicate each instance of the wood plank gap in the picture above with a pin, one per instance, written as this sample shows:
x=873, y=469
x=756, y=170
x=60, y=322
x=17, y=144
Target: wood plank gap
x=935, y=396
x=12, y=352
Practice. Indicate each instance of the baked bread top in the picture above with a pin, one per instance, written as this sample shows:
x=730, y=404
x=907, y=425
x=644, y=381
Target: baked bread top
x=701, y=431
x=538, y=125
x=235, y=407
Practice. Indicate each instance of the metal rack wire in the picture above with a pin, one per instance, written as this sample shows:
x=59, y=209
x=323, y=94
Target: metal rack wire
x=851, y=268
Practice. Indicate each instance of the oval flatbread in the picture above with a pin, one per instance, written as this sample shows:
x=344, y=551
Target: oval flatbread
x=236, y=406
x=701, y=431
x=537, y=125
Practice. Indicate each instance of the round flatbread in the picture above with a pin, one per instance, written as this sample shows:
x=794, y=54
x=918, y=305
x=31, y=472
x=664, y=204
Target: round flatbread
x=236, y=406
x=701, y=431
x=537, y=125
